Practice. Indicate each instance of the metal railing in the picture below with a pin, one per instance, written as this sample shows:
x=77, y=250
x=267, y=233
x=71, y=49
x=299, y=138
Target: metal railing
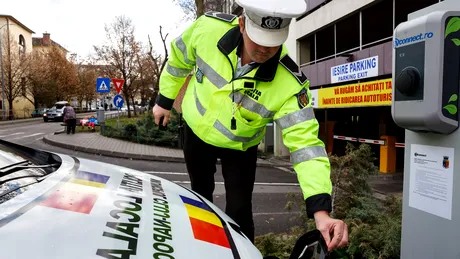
x=115, y=115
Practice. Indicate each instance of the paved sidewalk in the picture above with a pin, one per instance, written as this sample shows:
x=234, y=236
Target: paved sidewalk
x=96, y=144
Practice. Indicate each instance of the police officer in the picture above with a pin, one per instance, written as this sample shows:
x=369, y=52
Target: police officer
x=243, y=78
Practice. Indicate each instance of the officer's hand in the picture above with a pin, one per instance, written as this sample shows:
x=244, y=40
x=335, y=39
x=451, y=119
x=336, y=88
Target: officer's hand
x=159, y=112
x=329, y=227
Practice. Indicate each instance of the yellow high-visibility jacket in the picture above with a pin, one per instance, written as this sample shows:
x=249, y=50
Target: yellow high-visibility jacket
x=274, y=91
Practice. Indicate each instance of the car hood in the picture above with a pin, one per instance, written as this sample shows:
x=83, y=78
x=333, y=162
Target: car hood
x=89, y=209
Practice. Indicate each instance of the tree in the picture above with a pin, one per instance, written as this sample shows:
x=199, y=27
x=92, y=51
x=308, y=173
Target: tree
x=37, y=81
x=15, y=65
x=147, y=80
x=120, y=54
x=52, y=76
x=86, y=79
x=61, y=74
x=195, y=8
x=158, y=64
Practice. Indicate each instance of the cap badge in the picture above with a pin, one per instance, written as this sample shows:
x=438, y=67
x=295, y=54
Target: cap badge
x=270, y=22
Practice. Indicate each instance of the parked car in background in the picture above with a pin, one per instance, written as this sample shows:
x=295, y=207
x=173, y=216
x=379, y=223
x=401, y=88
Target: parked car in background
x=56, y=113
x=38, y=112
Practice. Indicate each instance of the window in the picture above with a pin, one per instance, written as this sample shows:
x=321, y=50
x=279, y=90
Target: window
x=405, y=7
x=307, y=49
x=325, y=43
x=23, y=86
x=22, y=45
x=377, y=22
x=347, y=33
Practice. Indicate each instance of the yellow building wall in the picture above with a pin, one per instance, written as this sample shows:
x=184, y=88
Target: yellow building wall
x=22, y=107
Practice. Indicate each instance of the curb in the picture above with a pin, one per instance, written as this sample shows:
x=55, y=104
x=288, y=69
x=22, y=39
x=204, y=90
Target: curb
x=116, y=154
x=19, y=121
x=389, y=177
x=59, y=132
x=380, y=195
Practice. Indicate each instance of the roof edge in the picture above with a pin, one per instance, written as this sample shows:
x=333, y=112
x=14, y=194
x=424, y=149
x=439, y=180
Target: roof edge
x=18, y=22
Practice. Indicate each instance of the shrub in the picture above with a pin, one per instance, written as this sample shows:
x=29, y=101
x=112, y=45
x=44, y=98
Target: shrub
x=374, y=226
x=130, y=132
x=144, y=131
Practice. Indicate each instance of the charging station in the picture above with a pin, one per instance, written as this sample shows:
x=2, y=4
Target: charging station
x=426, y=85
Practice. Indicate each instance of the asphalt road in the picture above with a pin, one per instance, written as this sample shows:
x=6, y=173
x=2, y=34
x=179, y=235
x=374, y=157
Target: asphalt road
x=270, y=191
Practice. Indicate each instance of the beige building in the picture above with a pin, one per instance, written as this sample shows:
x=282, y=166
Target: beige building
x=16, y=40
x=45, y=43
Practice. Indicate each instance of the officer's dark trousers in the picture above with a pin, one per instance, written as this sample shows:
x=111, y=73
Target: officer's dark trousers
x=238, y=169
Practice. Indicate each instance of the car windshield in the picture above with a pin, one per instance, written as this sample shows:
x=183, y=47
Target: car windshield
x=59, y=106
x=21, y=167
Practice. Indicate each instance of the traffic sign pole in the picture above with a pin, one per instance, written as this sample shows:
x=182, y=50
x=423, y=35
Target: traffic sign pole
x=102, y=86
x=118, y=102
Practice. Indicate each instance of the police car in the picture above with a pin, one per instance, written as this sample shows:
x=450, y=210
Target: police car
x=59, y=206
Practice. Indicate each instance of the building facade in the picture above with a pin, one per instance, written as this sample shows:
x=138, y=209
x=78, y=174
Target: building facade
x=345, y=49
x=44, y=43
x=16, y=42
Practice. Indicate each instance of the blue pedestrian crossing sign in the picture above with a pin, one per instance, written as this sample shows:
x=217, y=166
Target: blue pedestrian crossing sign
x=118, y=101
x=103, y=85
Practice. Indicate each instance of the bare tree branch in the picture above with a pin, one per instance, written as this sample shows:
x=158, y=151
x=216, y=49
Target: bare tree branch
x=165, y=48
x=120, y=54
x=193, y=9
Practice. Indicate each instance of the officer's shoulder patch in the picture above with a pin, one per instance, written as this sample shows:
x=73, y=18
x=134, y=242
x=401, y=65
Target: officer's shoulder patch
x=292, y=67
x=221, y=16
x=302, y=98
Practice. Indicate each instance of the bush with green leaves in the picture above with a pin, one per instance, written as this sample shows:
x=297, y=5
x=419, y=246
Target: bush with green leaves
x=374, y=226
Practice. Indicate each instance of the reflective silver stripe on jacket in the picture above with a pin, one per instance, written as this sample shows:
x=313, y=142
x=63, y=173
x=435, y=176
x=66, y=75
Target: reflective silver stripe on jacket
x=199, y=106
x=183, y=48
x=220, y=127
x=294, y=118
x=307, y=153
x=210, y=73
x=253, y=106
x=178, y=72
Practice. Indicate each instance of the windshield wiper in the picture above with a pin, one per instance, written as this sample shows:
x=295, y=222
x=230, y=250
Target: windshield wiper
x=4, y=171
x=37, y=180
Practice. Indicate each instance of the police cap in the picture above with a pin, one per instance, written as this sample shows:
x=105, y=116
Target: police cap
x=267, y=22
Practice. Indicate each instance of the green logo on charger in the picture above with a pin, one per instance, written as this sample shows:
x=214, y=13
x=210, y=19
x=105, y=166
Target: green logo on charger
x=453, y=26
x=451, y=108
